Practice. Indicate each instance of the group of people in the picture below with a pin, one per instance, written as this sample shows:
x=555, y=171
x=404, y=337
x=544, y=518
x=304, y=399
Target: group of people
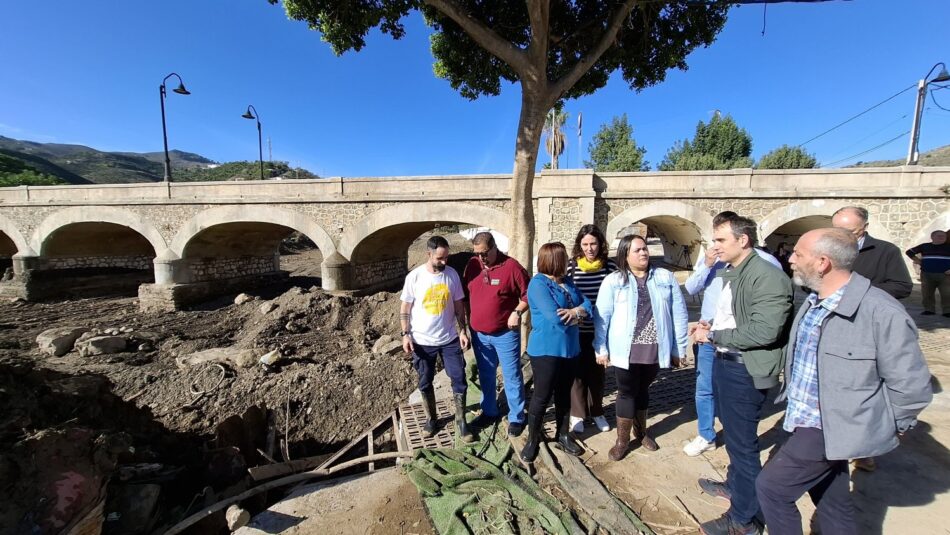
x=849, y=362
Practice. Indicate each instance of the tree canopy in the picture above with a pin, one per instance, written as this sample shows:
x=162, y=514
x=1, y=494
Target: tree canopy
x=718, y=144
x=553, y=50
x=615, y=149
x=15, y=172
x=788, y=157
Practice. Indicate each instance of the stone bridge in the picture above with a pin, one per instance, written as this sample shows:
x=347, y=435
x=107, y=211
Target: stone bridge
x=190, y=241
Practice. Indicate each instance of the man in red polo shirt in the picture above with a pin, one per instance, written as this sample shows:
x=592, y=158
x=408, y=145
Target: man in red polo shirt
x=497, y=289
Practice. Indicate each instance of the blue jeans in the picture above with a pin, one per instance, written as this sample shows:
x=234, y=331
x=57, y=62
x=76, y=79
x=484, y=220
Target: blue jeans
x=423, y=360
x=492, y=349
x=705, y=400
x=739, y=406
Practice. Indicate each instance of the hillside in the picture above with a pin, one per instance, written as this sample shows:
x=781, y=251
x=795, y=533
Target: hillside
x=939, y=157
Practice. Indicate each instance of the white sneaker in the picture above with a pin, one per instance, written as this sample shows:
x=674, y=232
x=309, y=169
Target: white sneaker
x=577, y=424
x=601, y=423
x=698, y=445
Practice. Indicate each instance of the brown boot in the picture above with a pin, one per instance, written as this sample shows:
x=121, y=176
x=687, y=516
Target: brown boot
x=623, y=439
x=640, y=432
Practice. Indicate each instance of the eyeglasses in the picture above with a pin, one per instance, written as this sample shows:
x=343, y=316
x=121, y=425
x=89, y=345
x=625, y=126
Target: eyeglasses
x=483, y=255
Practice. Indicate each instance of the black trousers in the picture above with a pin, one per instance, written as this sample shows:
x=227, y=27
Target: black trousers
x=798, y=467
x=587, y=394
x=552, y=376
x=633, y=388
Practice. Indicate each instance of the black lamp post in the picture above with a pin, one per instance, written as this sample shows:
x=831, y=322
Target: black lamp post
x=260, y=147
x=161, y=91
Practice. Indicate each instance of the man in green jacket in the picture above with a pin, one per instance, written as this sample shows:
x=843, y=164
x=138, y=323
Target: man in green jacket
x=750, y=330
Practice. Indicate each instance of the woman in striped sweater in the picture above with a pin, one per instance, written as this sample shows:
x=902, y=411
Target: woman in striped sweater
x=589, y=266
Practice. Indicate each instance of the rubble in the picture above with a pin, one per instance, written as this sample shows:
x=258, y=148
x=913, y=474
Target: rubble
x=59, y=340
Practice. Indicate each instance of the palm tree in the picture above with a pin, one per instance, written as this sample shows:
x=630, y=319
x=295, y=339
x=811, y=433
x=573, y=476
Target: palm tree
x=553, y=129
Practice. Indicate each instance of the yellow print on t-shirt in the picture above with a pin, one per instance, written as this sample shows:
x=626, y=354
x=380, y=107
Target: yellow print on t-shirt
x=437, y=296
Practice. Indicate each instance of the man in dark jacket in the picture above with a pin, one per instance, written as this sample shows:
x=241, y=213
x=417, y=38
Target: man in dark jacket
x=879, y=261
x=855, y=380
x=749, y=330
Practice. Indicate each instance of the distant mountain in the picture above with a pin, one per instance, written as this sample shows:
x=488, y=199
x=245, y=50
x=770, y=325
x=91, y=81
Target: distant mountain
x=79, y=164
x=180, y=159
x=935, y=158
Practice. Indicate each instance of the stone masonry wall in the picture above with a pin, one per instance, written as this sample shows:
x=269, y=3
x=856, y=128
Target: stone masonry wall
x=207, y=269
x=380, y=273
x=142, y=262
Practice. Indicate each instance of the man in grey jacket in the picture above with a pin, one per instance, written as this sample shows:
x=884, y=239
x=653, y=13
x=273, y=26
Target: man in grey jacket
x=855, y=380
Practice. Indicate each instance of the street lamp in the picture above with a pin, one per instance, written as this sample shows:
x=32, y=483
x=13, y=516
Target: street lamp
x=161, y=92
x=943, y=76
x=260, y=146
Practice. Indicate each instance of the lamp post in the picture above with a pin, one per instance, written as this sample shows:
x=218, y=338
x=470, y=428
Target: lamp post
x=161, y=93
x=912, y=153
x=260, y=146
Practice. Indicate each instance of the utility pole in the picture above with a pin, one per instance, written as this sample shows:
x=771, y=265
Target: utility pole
x=913, y=153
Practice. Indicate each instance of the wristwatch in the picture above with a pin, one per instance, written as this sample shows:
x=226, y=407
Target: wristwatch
x=519, y=312
x=405, y=333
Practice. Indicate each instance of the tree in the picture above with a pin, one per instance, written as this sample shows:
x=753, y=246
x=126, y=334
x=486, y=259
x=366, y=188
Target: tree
x=15, y=172
x=614, y=149
x=553, y=53
x=788, y=157
x=720, y=144
x=555, y=142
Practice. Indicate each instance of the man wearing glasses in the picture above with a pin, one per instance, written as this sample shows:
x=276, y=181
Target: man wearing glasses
x=497, y=287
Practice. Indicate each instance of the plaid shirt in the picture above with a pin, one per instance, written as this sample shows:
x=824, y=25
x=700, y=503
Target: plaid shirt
x=803, y=407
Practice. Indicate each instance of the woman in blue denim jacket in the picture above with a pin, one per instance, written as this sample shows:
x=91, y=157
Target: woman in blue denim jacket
x=557, y=306
x=640, y=326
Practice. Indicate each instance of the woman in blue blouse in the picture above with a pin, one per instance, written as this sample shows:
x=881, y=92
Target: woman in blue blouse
x=557, y=306
x=640, y=327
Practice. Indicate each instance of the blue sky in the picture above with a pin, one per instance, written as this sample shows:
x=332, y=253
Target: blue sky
x=88, y=72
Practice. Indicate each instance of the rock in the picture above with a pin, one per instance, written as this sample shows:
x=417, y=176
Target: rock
x=295, y=326
x=59, y=341
x=112, y=332
x=268, y=307
x=383, y=340
x=145, y=347
x=101, y=345
x=392, y=348
x=239, y=358
x=242, y=298
x=125, y=330
x=236, y=517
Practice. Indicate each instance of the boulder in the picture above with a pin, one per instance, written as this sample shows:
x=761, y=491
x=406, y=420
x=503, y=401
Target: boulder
x=268, y=307
x=59, y=341
x=242, y=298
x=383, y=340
x=392, y=348
x=101, y=345
x=238, y=358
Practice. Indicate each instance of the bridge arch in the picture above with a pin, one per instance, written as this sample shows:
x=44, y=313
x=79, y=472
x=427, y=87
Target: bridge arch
x=11, y=239
x=376, y=249
x=941, y=222
x=676, y=223
x=91, y=217
x=394, y=227
x=789, y=222
x=246, y=217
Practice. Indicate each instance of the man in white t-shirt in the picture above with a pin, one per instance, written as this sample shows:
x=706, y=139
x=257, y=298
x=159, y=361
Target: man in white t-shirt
x=432, y=316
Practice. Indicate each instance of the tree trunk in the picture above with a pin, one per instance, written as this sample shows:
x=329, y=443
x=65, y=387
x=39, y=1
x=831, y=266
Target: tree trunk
x=534, y=106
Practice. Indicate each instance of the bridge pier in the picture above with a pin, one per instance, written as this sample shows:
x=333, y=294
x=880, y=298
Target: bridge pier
x=182, y=282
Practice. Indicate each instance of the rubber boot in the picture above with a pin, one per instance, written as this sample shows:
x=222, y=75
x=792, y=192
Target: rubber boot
x=432, y=414
x=623, y=439
x=530, y=450
x=565, y=440
x=640, y=432
x=461, y=426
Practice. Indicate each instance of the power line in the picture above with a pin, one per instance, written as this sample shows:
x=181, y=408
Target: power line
x=889, y=141
x=839, y=125
x=860, y=141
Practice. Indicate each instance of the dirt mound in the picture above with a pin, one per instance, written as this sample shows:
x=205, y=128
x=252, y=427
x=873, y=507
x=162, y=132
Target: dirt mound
x=326, y=386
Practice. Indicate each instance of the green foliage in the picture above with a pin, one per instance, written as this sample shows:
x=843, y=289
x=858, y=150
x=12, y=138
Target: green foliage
x=240, y=171
x=654, y=38
x=719, y=144
x=788, y=157
x=15, y=172
x=615, y=149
